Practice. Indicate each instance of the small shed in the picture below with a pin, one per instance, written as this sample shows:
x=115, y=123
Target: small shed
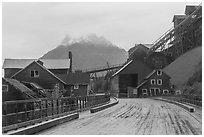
x=77, y=83
x=155, y=84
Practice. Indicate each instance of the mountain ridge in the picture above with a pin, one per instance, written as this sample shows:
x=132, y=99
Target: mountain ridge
x=88, y=52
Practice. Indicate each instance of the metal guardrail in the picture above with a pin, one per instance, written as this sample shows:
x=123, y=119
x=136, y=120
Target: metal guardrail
x=25, y=111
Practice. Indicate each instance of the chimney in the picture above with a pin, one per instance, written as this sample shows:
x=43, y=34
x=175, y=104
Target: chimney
x=40, y=62
x=70, y=58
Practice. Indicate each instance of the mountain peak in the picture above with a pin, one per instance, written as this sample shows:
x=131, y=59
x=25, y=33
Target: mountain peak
x=89, y=51
x=90, y=38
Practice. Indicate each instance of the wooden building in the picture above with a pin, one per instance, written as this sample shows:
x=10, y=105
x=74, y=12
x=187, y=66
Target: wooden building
x=130, y=75
x=56, y=66
x=155, y=84
x=189, y=34
x=138, y=52
x=157, y=60
x=77, y=83
x=14, y=90
x=36, y=72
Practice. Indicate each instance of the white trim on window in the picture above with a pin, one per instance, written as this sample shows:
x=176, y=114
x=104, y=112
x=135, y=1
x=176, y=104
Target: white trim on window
x=5, y=88
x=144, y=92
x=76, y=86
x=159, y=72
x=159, y=81
x=153, y=81
x=34, y=73
x=165, y=91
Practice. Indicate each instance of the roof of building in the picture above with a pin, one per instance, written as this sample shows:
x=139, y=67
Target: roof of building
x=48, y=63
x=145, y=47
x=20, y=87
x=35, y=85
x=42, y=68
x=190, y=9
x=142, y=83
x=75, y=78
x=122, y=68
x=154, y=71
x=148, y=76
x=178, y=17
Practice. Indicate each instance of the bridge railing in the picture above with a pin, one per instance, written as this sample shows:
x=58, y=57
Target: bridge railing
x=184, y=98
x=16, y=114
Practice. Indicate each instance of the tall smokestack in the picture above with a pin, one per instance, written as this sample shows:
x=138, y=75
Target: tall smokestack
x=70, y=57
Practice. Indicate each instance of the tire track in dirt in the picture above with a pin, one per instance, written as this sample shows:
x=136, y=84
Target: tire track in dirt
x=182, y=122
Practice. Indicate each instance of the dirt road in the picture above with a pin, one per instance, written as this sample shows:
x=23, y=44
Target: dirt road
x=134, y=116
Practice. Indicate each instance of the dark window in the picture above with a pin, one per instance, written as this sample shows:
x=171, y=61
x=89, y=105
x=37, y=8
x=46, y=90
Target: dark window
x=159, y=82
x=5, y=88
x=159, y=72
x=153, y=82
x=144, y=91
x=34, y=73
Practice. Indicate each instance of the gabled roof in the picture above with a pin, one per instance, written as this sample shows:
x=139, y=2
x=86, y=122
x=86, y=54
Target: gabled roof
x=149, y=75
x=75, y=78
x=122, y=68
x=48, y=63
x=20, y=87
x=42, y=68
x=154, y=71
x=145, y=47
x=35, y=85
x=178, y=17
x=142, y=83
x=190, y=9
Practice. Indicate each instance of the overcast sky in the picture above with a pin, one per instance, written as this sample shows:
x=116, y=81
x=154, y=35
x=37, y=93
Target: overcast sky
x=32, y=29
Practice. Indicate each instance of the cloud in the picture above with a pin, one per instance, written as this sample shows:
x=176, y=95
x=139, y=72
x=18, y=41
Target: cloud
x=42, y=26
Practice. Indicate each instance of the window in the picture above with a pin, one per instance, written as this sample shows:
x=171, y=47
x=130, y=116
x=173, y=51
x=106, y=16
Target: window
x=34, y=73
x=144, y=91
x=157, y=90
x=159, y=81
x=153, y=82
x=76, y=86
x=159, y=72
x=165, y=91
x=151, y=91
x=5, y=88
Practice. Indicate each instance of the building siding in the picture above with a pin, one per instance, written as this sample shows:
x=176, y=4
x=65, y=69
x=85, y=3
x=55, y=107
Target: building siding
x=9, y=72
x=12, y=93
x=135, y=68
x=45, y=79
x=165, y=85
x=114, y=86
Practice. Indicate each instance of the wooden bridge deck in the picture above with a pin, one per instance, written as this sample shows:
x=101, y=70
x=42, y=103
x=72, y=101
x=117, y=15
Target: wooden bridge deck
x=134, y=116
